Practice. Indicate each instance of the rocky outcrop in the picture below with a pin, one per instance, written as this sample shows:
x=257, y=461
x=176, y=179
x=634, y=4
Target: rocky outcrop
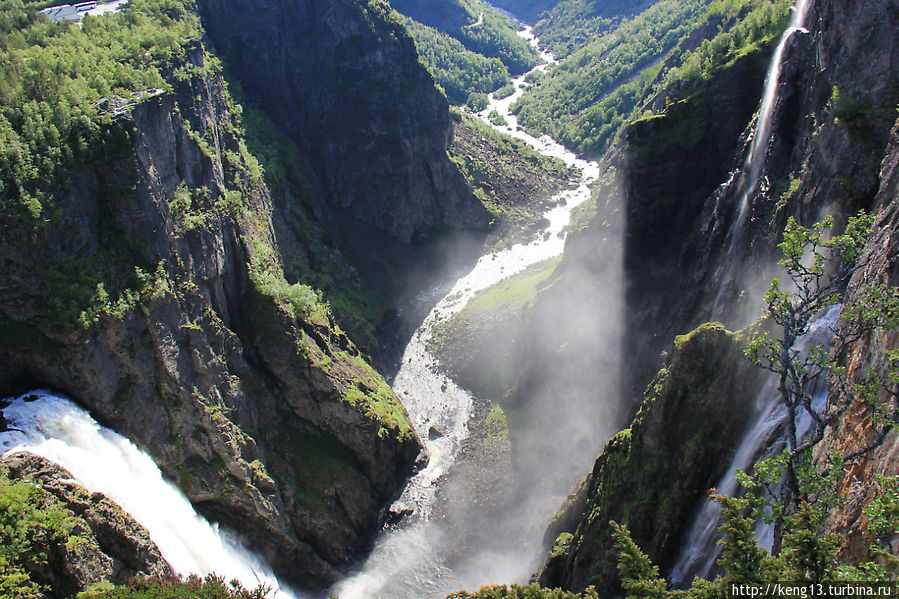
x=344, y=81
x=670, y=166
x=653, y=475
x=856, y=429
x=155, y=297
x=98, y=541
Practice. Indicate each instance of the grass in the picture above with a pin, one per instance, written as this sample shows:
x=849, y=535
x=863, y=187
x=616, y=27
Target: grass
x=514, y=292
x=377, y=400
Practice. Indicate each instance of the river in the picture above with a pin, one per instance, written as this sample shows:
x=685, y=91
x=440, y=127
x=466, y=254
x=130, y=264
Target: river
x=410, y=560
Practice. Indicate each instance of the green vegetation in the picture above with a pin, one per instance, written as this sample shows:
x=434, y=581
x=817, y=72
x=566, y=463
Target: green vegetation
x=806, y=558
x=515, y=591
x=52, y=76
x=505, y=91
x=526, y=10
x=497, y=119
x=459, y=71
x=515, y=292
x=494, y=35
x=369, y=390
x=31, y=522
x=584, y=101
x=477, y=101
x=480, y=28
x=37, y=532
x=752, y=25
x=820, y=266
x=571, y=24
x=209, y=587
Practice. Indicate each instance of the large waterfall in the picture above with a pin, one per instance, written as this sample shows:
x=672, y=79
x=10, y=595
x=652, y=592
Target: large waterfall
x=749, y=177
x=103, y=461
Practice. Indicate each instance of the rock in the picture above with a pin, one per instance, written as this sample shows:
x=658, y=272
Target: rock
x=104, y=543
x=653, y=475
x=343, y=79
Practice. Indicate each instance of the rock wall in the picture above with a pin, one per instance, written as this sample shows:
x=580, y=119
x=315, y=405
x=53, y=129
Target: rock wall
x=652, y=475
x=343, y=79
x=856, y=429
x=154, y=297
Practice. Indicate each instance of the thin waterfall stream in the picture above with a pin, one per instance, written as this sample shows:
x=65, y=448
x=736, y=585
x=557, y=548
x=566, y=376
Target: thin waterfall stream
x=749, y=177
x=407, y=559
x=764, y=437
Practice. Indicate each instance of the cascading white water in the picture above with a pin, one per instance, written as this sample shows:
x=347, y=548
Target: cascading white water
x=103, y=461
x=406, y=561
x=765, y=436
x=750, y=174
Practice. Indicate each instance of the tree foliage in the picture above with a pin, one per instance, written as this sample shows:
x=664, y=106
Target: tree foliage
x=459, y=71
x=819, y=266
x=53, y=74
x=605, y=82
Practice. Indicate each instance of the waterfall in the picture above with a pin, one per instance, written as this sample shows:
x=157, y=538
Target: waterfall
x=750, y=174
x=764, y=437
x=103, y=461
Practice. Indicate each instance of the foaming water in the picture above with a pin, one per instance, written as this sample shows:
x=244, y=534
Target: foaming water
x=103, y=461
x=750, y=174
x=764, y=437
x=408, y=560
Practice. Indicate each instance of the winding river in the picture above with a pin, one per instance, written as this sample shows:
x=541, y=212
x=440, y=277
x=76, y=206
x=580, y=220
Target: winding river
x=409, y=560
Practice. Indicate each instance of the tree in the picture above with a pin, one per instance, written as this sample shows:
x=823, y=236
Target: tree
x=788, y=488
x=819, y=267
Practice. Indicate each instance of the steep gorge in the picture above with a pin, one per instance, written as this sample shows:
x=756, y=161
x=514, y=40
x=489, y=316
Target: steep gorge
x=151, y=287
x=162, y=290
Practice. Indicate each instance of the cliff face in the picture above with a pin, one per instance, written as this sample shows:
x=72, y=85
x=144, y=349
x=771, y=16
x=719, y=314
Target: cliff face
x=343, y=79
x=154, y=296
x=831, y=124
x=831, y=153
x=856, y=428
x=652, y=475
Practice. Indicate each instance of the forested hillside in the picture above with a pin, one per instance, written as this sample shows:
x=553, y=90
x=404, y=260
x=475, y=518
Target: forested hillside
x=585, y=99
x=469, y=46
x=380, y=336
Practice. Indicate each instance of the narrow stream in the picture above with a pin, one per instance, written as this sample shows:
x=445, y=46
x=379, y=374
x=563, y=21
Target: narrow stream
x=407, y=560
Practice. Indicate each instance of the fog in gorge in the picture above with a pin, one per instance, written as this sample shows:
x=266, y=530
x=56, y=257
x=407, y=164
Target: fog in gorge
x=477, y=514
x=319, y=323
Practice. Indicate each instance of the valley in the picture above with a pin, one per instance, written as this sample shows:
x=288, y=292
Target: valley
x=361, y=291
